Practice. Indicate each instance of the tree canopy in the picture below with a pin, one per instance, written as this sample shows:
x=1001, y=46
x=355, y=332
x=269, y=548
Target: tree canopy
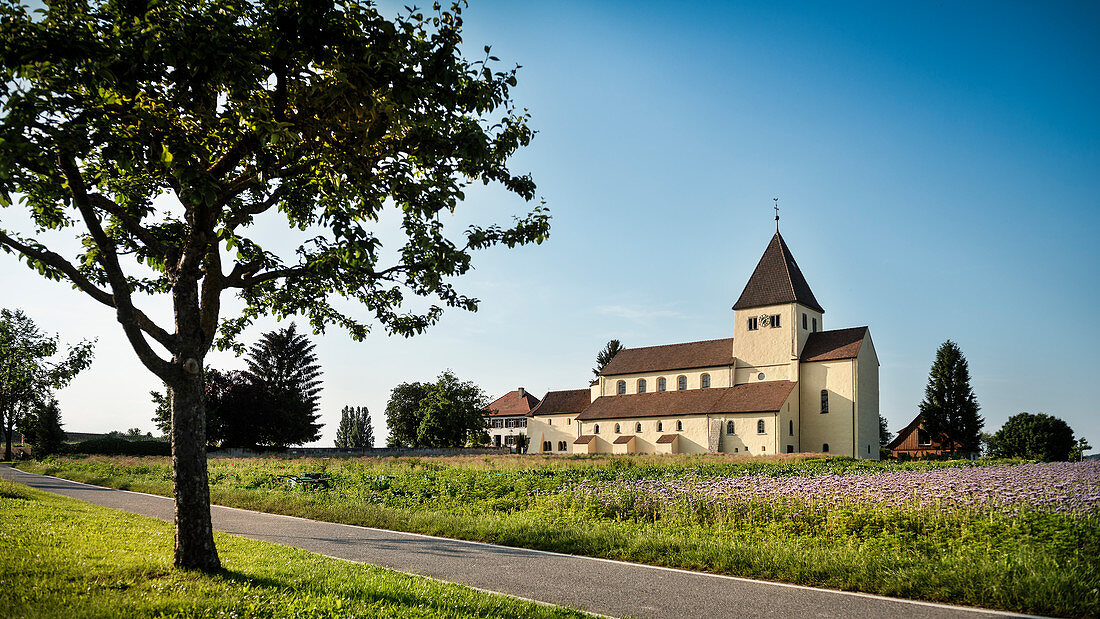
x=950, y=409
x=606, y=354
x=355, y=430
x=1036, y=437
x=31, y=369
x=446, y=413
x=160, y=134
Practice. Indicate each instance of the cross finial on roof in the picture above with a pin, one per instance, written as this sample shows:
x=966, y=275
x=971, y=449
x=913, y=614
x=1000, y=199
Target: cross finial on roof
x=776, y=200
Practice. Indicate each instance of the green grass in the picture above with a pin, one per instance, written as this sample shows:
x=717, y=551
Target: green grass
x=67, y=558
x=1038, y=563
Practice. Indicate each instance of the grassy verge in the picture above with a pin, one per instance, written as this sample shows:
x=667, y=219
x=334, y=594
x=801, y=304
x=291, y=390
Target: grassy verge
x=67, y=558
x=1042, y=563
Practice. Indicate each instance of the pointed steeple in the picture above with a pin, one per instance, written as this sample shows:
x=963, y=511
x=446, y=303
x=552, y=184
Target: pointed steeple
x=777, y=280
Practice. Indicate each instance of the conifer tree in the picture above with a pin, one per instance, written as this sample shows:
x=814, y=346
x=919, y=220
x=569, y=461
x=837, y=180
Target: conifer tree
x=42, y=428
x=606, y=354
x=949, y=409
x=283, y=365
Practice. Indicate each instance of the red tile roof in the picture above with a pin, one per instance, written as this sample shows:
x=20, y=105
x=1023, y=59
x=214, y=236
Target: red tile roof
x=584, y=439
x=557, y=402
x=776, y=280
x=667, y=438
x=749, y=398
x=706, y=353
x=623, y=440
x=835, y=344
x=512, y=404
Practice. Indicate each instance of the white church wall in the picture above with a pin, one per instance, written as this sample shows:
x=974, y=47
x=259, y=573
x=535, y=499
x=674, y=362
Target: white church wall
x=765, y=345
x=553, y=428
x=719, y=377
x=835, y=427
x=867, y=409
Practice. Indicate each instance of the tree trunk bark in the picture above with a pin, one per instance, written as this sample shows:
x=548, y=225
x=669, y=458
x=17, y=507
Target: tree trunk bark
x=194, y=532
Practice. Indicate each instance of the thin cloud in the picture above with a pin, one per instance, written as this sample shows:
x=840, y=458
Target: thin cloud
x=639, y=316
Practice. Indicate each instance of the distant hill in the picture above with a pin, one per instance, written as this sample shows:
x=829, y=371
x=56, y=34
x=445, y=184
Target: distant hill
x=77, y=437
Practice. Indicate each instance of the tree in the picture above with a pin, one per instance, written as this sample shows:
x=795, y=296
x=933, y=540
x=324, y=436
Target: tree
x=355, y=431
x=29, y=371
x=1079, y=448
x=884, y=434
x=606, y=355
x=950, y=410
x=446, y=413
x=42, y=428
x=403, y=413
x=159, y=133
x=1036, y=437
x=285, y=372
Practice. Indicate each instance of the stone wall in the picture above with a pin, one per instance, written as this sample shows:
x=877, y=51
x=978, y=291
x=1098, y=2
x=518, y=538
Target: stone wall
x=379, y=452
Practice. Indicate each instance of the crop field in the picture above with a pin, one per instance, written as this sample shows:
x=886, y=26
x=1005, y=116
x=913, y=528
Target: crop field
x=1009, y=535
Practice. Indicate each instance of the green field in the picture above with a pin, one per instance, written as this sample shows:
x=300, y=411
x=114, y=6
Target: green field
x=67, y=558
x=1014, y=536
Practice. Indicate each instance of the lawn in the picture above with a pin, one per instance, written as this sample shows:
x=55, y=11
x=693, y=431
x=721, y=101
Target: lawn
x=67, y=558
x=1015, y=536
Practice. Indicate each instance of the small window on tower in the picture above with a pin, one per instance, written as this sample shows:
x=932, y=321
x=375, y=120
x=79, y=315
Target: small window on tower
x=790, y=427
x=774, y=321
x=815, y=325
x=803, y=320
x=753, y=324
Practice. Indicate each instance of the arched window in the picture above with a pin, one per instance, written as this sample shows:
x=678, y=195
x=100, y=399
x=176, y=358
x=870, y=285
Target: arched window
x=638, y=427
x=641, y=385
x=682, y=383
x=679, y=426
x=561, y=446
x=661, y=385
x=825, y=448
x=704, y=381
x=596, y=429
x=729, y=427
x=790, y=428
x=660, y=427
x=824, y=400
x=621, y=387
x=760, y=427
x=617, y=431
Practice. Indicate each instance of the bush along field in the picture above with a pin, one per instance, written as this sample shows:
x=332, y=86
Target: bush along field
x=1010, y=535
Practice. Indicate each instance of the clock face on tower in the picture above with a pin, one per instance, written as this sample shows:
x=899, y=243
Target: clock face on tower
x=763, y=320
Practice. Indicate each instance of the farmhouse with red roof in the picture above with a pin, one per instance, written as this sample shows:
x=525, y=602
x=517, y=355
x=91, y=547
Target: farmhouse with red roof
x=506, y=417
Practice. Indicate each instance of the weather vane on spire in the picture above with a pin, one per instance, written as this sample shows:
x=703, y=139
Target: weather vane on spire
x=776, y=200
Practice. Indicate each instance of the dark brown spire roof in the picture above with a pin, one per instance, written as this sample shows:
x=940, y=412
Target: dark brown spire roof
x=776, y=280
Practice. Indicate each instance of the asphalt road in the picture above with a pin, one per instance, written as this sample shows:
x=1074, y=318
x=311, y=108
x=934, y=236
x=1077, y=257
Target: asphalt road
x=596, y=585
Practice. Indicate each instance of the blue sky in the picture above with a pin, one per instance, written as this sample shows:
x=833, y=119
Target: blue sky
x=937, y=168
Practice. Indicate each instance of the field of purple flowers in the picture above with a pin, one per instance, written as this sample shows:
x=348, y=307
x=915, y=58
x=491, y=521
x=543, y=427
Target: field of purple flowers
x=1065, y=488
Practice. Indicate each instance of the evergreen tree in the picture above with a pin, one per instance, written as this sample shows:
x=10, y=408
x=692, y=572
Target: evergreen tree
x=949, y=409
x=884, y=433
x=606, y=355
x=42, y=428
x=355, y=431
x=283, y=365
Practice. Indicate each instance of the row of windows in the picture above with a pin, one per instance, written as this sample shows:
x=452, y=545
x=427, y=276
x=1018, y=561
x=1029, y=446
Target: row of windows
x=760, y=429
x=804, y=322
x=638, y=427
x=546, y=446
x=508, y=423
x=773, y=321
x=662, y=384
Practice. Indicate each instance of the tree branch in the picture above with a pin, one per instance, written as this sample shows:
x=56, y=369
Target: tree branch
x=108, y=259
x=133, y=226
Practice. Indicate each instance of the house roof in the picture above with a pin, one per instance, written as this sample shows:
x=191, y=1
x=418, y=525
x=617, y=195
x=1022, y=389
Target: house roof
x=584, y=439
x=702, y=354
x=835, y=344
x=909, y=429
x=776, y=280
x=557, y=402
x=512, y=404
x=667, y=438
x=748, y=398
x=623, y=440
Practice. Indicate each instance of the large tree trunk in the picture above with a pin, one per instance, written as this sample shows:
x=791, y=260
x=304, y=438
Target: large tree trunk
x=194, y=533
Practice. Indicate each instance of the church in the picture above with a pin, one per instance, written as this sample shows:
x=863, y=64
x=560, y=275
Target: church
x=782, y=384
